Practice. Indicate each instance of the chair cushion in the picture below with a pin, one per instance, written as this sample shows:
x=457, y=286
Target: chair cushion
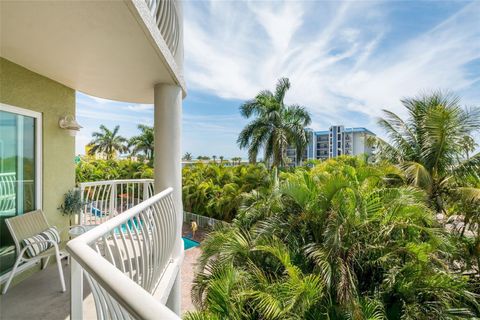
x=36, y=247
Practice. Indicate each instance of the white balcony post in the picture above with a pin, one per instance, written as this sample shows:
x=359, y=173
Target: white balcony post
x=167, y=160
x=173, y=302
x=76, y=291
x=113, y=198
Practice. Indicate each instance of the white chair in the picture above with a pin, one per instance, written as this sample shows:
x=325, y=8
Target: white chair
x=25, y=226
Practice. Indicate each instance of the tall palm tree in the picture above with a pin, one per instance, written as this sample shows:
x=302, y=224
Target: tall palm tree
x=143, y=142
x=107, y=141
x=430, y=144
x=275, y=125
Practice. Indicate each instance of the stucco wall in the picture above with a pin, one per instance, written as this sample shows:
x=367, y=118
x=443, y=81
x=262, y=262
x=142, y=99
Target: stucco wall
x=23, y=88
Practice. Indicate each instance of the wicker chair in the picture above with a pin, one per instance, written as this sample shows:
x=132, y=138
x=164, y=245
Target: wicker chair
x=25, y=226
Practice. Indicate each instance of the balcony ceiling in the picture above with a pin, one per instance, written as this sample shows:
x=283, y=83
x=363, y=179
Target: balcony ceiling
x=102, y=48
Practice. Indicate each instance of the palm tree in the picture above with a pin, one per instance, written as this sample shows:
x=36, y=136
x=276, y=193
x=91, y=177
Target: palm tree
x=234, y=160
x=469, y=145
x=187, y=156
x=431, y=143
x=275, y=127
x=338, y=241
x=221, y=159
x=143, y=142
x=214, y=157
x=107, y=142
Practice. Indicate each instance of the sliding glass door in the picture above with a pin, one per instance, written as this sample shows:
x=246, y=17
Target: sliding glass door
x=19, y=171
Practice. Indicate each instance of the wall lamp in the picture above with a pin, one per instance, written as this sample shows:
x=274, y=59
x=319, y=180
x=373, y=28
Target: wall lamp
x=69, y=123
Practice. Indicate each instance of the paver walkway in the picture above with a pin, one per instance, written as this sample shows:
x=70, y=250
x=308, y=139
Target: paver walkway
x=188, y=270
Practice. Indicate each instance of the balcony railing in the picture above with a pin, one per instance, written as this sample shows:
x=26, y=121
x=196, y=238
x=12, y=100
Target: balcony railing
x=106, y=199
x=15, y=192
x=126, y=260
x=8, y=187
x=165, y=14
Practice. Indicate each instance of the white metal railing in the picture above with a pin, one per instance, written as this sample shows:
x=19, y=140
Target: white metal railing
x=15, y=195
x=8, y=182
x=202, y=221
x=106, y=199
x=165, y=14
x=126, y=260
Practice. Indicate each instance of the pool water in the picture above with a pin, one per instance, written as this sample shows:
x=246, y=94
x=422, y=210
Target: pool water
x=189, y=243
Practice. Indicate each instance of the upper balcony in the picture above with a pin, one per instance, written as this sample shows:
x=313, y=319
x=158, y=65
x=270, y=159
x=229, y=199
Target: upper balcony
x=116, y=50
x=166, y=17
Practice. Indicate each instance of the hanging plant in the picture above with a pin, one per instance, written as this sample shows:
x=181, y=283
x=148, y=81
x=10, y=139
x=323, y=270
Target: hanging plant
x=72, y=203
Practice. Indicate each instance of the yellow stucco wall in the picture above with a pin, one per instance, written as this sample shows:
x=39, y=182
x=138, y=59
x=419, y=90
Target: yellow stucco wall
x=23, y=88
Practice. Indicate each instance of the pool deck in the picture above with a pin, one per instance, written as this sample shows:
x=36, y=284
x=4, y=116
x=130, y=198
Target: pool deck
x=188, y=271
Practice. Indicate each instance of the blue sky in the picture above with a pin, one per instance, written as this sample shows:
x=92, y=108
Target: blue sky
x=346, y=61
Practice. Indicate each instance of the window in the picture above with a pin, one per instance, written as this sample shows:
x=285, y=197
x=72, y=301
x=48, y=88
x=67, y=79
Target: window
x=20, y=170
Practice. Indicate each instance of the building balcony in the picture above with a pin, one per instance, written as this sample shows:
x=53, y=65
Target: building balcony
x=116, y=50
x=126, y=264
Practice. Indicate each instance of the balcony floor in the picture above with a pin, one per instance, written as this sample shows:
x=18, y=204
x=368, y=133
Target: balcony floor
x=39, y=296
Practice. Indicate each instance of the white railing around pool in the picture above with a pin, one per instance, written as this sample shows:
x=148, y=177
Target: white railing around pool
x=126, y=260
x=106, y=199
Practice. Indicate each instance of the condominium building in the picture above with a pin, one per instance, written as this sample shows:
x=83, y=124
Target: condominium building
x=334, y=142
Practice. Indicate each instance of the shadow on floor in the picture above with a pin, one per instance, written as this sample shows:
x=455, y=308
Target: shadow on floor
x=40, y=297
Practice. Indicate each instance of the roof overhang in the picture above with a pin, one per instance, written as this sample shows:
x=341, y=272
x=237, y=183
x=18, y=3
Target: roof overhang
x=108, y=49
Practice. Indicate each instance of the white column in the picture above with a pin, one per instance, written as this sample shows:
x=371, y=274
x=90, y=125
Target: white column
x=175, y=298
x=167, y=162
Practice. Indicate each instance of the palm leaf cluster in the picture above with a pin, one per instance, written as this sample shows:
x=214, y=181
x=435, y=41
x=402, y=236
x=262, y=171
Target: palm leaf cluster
x=433, y=144
x=108, y=142
x=100, y=170
x=143, y=143
x=216, y=191
x=111, y=143
x=344, y=240
x=275, y=126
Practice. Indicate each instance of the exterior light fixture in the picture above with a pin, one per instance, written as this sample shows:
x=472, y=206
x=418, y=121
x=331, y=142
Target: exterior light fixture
x=69, y=123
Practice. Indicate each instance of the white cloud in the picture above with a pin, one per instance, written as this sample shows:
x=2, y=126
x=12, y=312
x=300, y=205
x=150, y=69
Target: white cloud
x=112, y=116
x=334, y=54
x=139, y=107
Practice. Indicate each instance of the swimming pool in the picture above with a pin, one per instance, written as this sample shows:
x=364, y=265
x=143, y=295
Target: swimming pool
x=189, y=243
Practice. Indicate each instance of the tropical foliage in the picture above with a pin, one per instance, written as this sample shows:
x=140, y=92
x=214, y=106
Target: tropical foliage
x=216, y=191
x=99, y=170
x=143, y=143
x=275, y=126
x=108, y=142
x=433, y=144
x=345, y=240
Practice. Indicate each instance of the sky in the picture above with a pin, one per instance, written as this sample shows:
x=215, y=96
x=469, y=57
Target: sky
x=346, y=62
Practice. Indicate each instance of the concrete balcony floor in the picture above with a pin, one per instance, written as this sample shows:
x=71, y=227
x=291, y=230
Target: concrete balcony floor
x=39, y=296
